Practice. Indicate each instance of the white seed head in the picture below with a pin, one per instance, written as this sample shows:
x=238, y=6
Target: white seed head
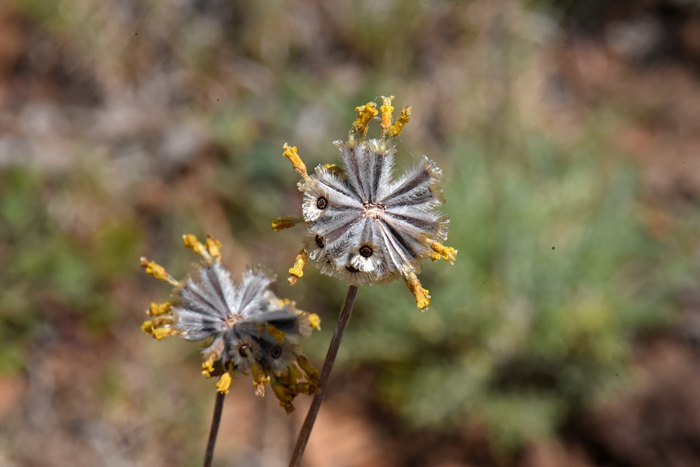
x=363, y=226
x=251, y=330
x=238, y=317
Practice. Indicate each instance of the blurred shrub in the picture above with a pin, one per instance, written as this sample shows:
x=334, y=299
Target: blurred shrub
x=555, y=277
x=59, y=261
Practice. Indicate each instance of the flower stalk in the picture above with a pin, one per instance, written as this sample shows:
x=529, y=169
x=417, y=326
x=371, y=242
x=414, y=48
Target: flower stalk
x=308, y=425
x=214, y=431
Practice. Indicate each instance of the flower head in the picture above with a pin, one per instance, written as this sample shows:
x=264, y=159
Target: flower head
x=251, y=330
x=362, y=225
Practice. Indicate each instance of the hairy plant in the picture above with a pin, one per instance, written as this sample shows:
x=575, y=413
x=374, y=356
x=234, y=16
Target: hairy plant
x=364, y=227
x=250, y=329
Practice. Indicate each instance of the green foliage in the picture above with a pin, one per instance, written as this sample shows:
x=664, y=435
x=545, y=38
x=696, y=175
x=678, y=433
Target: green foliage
x=52, y=273
x=554, y=278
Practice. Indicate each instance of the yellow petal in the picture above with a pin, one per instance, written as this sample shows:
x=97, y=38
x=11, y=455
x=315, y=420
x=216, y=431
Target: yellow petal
x=298, y=269
x=160, y=327
x=167, y=331
x=364, y=115
x=441, y=251
x=401, y=122
x=291, y=154
x=387, y=109
x=208, y=366
x=157, y=271
x=224, y=383
x=315, y=321
x=421, y=294
x=147, y=327
x=158, y=309
x=197, y=246
x=285, y=222
x=214, y=247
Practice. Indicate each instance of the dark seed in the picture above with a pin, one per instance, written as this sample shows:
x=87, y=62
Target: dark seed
x=366, y=251
x=276, y=352
x=320, y=242
x=352, y=269
x=322, y=203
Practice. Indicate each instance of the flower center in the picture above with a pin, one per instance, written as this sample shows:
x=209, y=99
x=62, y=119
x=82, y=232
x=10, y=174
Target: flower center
x=373, y=210
x=231, y=321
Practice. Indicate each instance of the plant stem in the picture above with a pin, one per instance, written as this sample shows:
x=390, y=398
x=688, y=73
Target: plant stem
x=218, y=408
x=308, y=425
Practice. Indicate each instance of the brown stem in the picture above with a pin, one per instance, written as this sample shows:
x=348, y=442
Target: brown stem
x=308, y=425
x=218, y=408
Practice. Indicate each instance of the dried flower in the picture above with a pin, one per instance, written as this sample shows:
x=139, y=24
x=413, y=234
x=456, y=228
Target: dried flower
x=252, y=331
x=363, y=226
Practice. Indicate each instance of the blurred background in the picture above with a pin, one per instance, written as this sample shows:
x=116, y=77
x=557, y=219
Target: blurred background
x=567, y=332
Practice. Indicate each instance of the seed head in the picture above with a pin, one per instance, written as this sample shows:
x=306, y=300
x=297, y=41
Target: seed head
x=365, y=227
x=250, y=329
